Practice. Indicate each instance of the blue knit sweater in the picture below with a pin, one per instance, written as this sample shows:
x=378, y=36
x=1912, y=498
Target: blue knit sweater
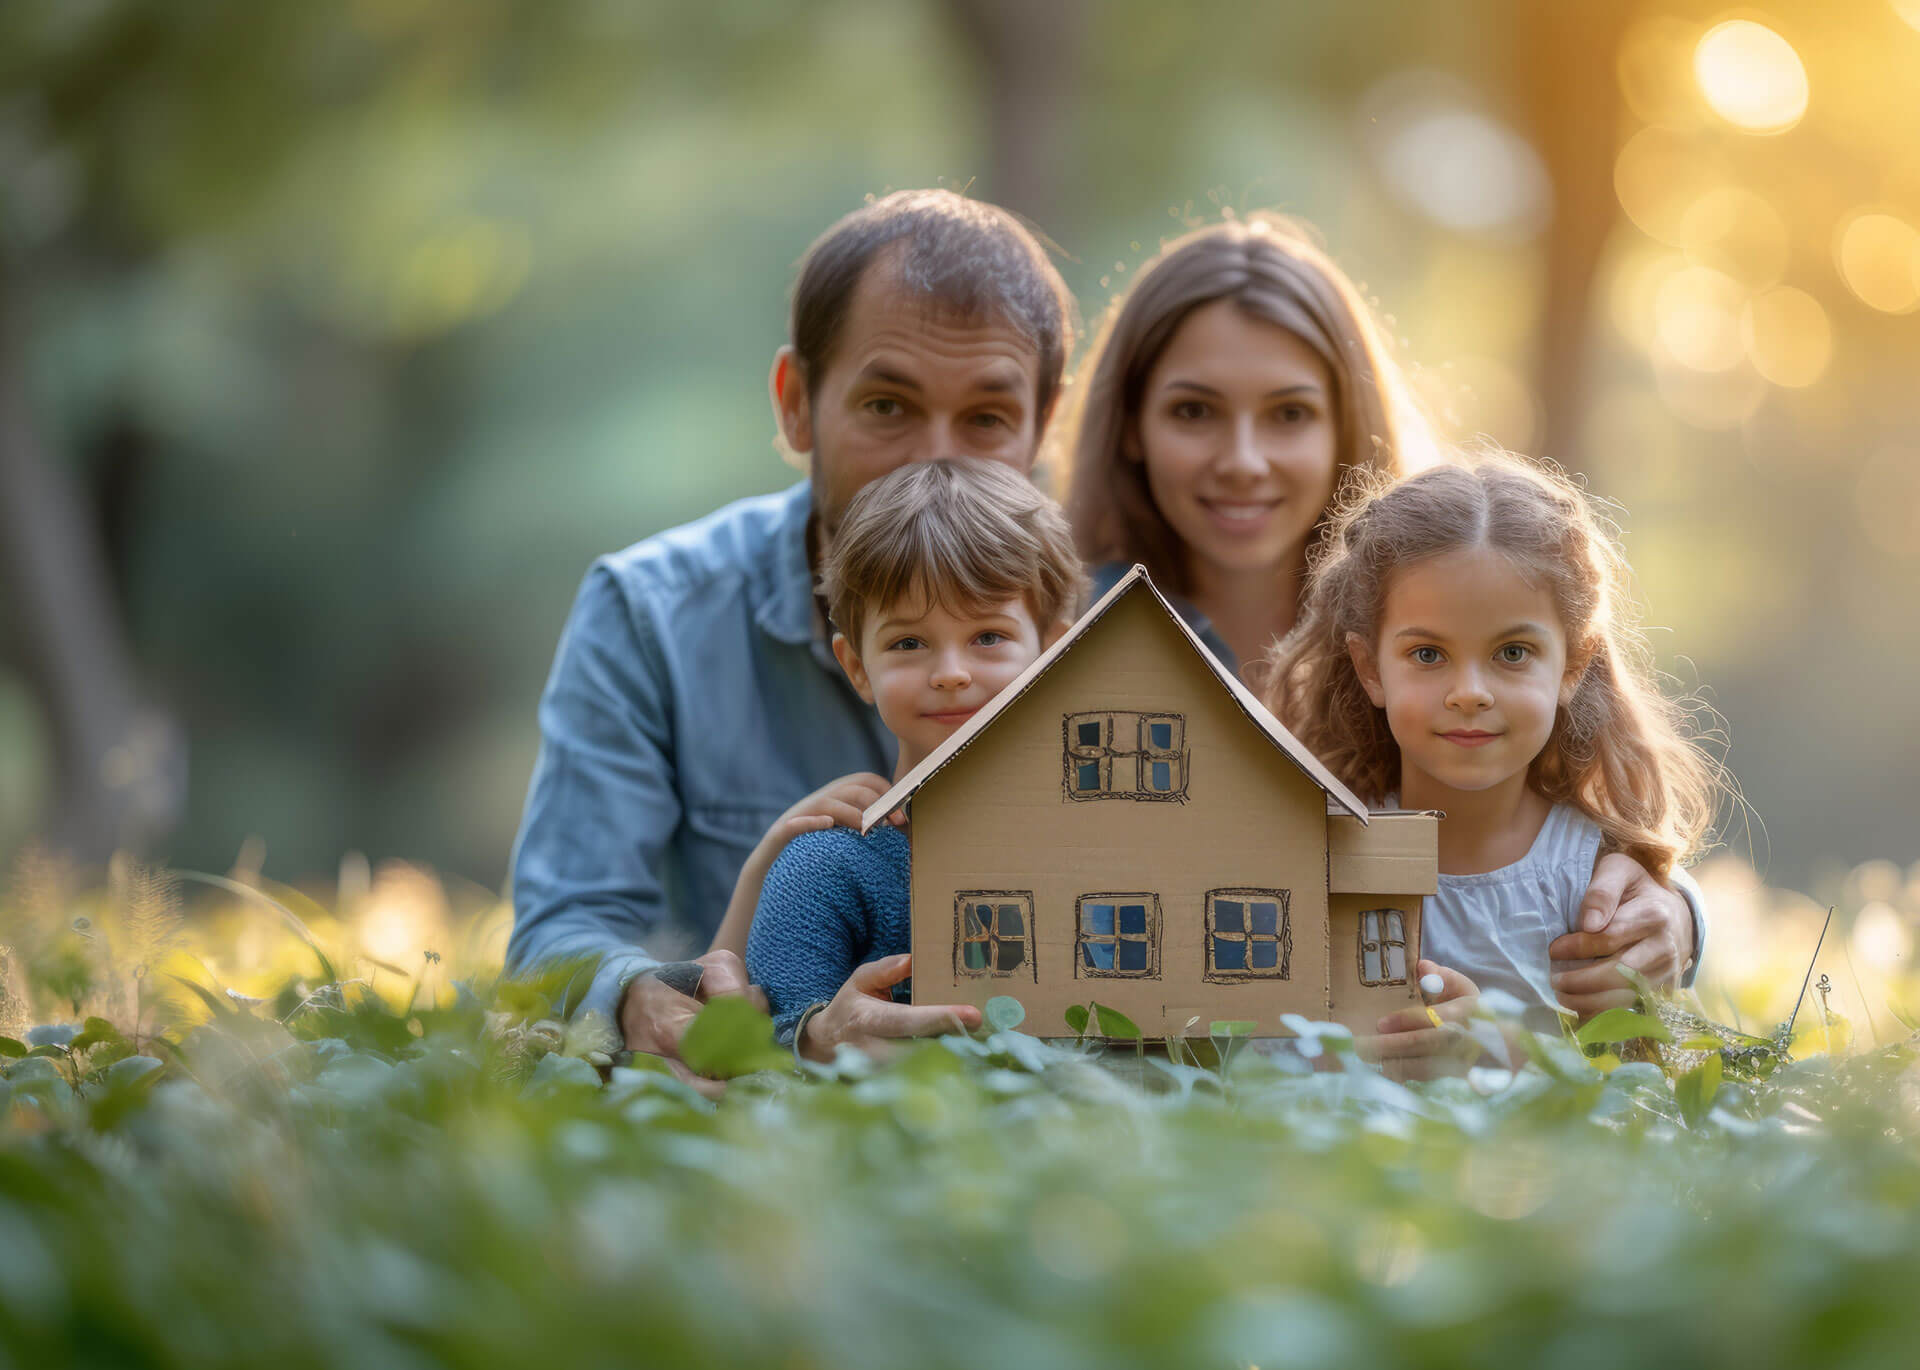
x=833, y=901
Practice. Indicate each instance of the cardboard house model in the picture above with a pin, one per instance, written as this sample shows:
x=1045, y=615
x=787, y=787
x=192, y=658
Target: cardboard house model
x=1126, y=823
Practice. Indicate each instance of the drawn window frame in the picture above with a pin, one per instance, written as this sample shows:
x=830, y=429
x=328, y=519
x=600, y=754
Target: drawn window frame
x=1382, y=946
x=992, y=936
x=1246, y=937
x=1124, y=755
x=1149, y=937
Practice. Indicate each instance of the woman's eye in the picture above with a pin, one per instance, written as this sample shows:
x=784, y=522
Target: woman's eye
x=1427, y=656
x=1295, y=413
x=1514, y=653
x=988, y=421
x=1189, y=411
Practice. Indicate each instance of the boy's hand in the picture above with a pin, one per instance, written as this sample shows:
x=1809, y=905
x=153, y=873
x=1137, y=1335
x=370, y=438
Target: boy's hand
x=864, y=1015
x=841, y=802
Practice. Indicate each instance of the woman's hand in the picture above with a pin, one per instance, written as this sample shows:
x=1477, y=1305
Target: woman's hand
x=864, y=1015
x=1627, y=918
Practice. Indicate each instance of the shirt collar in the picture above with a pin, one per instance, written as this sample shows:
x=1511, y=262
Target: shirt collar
x=786, y=611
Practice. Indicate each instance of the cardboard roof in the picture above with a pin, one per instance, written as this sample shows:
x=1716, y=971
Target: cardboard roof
x=1256, y=712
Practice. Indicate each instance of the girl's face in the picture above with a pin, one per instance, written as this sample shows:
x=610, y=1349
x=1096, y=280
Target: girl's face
x=1237, y=432
x=1470, y=664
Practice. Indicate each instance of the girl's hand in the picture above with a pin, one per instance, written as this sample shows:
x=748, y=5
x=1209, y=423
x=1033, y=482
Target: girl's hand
x=1412, y=1031
x=864, y=1015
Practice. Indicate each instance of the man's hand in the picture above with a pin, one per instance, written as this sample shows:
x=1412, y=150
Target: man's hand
x=864, y=1015
x=654, y=1016
x=1627, y=918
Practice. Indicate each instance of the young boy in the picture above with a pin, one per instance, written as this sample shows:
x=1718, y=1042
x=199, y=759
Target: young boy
x=946, y=580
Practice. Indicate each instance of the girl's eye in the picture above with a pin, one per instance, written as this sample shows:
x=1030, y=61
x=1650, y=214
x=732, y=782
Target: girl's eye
x=1427, y=656
x=1190, y=411
x=1515, y=653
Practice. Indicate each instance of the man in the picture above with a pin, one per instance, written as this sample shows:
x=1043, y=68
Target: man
x=694, y=695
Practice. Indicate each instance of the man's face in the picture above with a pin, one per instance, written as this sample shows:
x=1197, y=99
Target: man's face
x=908, y=382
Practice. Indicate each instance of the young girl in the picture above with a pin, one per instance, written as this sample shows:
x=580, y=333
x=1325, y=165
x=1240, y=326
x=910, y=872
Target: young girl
x=1467, y=644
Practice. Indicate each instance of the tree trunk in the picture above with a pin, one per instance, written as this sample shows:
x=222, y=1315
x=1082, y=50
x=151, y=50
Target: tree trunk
x=1027, y=52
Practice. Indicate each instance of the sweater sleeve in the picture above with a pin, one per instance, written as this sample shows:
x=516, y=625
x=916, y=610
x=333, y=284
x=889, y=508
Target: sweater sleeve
x=806, y=933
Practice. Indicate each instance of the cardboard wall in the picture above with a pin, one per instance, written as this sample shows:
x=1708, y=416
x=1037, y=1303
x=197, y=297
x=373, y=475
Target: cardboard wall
x=998, y=818
x=1355, y=1004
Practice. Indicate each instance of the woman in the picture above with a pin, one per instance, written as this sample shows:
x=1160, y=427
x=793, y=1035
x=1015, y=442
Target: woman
x=1225, y=395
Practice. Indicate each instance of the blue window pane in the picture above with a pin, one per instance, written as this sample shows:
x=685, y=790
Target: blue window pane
x=976, y=954
x=1097, y=918
x=1162, y=776
x=1012, y=955
x=1227, y=915
x=1089, y=734
x=1099, y=954
x=1089, y=775
x=1133, y=955
x=1011, y=923
x=979, y=919
x=1266, y=917
x=1265, y=955
x=1229, y=954
x=1162, y=735
x=1133, y=919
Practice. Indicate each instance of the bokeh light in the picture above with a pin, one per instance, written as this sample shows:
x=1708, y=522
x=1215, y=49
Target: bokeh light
x=1735, y=231
x=1659, y=176
x=1788, y=336
x=1909, y=12
x=1751, y=76
x=1697, y=318
x=1877, y=255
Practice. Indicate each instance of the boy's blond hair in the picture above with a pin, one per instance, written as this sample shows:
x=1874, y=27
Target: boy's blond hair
x=969, y=535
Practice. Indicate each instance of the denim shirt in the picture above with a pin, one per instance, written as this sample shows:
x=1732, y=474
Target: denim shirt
x=693, y=698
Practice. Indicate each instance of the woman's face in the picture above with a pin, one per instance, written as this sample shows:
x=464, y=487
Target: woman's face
x=1238, y=435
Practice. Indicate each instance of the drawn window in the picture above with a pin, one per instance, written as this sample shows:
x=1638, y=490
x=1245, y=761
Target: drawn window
x=1383, y=947
x=1118, y=936
x=994, y=932
x=1126, y=756
x=1248, y=934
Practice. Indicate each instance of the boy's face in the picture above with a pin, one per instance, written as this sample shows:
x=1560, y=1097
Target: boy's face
x=929, y=668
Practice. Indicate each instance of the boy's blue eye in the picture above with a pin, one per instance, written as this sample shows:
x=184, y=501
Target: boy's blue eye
x=990, y=638
x=904, y=644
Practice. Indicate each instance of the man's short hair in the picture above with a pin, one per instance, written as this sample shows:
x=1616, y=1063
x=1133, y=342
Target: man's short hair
x=966, y=256
x=967, y=534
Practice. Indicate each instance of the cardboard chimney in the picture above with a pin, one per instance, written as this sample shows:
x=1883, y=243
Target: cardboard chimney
x=1125, y=823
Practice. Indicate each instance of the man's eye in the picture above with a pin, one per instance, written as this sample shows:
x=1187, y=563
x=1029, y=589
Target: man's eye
x=1514, y=653
x=1190, y=411
x=1427, y=656
x=883, y=407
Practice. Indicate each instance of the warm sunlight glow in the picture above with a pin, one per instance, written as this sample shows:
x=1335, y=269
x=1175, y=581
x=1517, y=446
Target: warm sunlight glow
x=1733, y=230
x=1909, y=12
x=1659, y=176
x=1751, y=76
x=1877, y=255
x=1787, y=336
x=1697, y=318
x=1656, y=57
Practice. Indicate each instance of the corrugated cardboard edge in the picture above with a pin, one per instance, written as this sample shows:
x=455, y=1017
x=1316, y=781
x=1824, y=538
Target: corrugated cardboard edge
x=1256, y=712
